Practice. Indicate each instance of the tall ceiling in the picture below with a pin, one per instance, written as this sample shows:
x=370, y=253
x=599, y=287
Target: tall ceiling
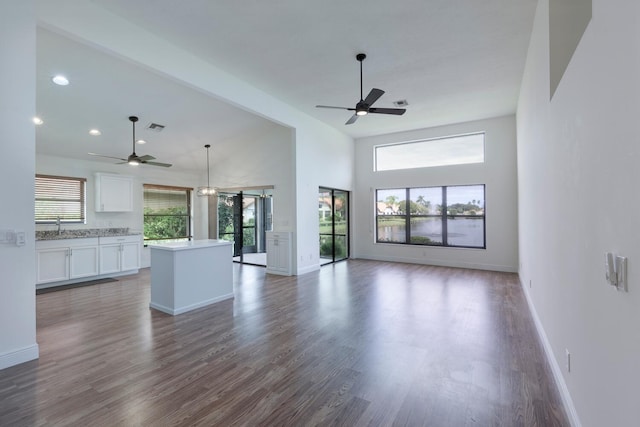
x=451, y=60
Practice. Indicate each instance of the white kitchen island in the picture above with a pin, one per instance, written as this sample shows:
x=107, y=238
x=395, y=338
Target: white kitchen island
x=190, y=275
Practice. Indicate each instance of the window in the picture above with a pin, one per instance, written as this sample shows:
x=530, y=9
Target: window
x=59, y=197
x=435, y=216
x=167, y=213
x=452, y=150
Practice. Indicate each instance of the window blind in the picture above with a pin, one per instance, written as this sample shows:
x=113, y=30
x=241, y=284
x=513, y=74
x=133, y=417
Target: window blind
x=167, y=213
x=60, y=197
x=160, y=200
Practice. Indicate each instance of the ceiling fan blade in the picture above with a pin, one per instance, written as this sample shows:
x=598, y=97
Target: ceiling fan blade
x=394, y=111
x=373, y=96
x=166, y=165
x=352, y=119
x=339, y=108
x=145, y=158
x=108, y=157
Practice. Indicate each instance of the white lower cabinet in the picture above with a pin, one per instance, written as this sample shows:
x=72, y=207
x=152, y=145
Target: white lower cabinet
x=83, y=261
x=68, y=260
x=52, y=265
x=279, y=253
x=119, y=254
x=59, y=260
x=109, y=259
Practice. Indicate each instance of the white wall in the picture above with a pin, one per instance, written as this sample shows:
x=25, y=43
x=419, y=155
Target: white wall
x=89, y=23
x=51, y=165
x=578, y=158
x=17, y=151
x=324, y=157
x=266, y=158
x=498, y=173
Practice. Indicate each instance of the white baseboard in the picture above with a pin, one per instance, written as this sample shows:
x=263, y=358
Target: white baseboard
x=86, y=279
x=555, y=368
x=278, y=272
x=308, y=269
x=184, y=309
x=17, y=357
x=441, y=263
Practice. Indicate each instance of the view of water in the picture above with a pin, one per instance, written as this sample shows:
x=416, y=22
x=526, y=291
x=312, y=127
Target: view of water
x=461, y=231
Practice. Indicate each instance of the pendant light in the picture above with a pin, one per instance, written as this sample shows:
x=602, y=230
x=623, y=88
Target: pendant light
x=208, y=190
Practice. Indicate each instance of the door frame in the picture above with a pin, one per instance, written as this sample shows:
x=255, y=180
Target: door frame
x=333, y=234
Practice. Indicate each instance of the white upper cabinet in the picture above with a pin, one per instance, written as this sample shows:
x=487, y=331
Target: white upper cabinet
x=114, y=193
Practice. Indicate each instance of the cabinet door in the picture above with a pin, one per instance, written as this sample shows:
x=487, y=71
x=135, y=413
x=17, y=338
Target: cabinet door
x=109, y=258
x=273, y=254
x=130, y=256
x=114, y=193
x=83, y=261
x=52, y=265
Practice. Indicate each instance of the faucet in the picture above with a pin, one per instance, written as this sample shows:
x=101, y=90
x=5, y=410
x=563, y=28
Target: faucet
x=58, y=224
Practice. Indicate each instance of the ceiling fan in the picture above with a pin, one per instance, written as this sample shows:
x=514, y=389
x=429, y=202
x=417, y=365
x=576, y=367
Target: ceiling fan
x=364, y=106
x=134, y=159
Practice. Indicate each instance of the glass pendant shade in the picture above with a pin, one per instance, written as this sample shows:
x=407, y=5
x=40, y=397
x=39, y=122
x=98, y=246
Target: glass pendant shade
x=208, y=190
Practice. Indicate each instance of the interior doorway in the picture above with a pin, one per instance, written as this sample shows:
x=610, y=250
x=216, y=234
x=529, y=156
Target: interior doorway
x=244, y=217
x=333, y=214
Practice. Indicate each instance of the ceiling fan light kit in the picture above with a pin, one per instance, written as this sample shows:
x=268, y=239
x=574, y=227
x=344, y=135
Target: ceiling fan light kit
x=364, y=106
x=134, y=159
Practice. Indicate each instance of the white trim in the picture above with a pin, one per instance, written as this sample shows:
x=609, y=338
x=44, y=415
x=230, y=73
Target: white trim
x=308, y=269
x=86, y=279
x=555, y=368
x=22, y=355
x=273, y=270
x=176, y=311
x=440, y=263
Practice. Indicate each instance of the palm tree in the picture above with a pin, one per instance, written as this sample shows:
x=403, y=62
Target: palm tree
x=422, y=202
x=392, y=202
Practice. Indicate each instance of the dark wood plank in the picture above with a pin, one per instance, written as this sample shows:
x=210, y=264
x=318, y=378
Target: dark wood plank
x=359, y=343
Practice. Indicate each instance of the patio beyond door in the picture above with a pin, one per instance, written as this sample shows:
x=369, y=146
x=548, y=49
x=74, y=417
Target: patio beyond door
x=333, y=214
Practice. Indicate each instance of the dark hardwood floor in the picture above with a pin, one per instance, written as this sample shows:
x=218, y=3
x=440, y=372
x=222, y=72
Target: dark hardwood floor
x=358, y=343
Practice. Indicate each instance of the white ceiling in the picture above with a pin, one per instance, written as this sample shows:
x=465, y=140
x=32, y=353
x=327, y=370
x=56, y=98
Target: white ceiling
x=452, y=60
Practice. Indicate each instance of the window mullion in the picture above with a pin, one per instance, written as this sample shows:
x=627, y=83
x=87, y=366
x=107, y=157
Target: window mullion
x=445, y=236
x=407, y=214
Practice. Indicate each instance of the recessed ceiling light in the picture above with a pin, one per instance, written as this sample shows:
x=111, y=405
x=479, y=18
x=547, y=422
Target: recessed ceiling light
x=141, y=141
x=60, y=80
x=37, y=121
x=95, y=132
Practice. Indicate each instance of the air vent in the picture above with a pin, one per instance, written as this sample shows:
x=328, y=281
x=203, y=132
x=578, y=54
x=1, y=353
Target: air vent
x=155, y=127
x=401, y=103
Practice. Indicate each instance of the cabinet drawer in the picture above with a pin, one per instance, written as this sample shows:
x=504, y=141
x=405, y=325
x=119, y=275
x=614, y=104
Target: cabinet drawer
x=66, y=243
x=111, y=240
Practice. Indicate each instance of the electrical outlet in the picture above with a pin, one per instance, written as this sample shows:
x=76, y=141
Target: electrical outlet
x=568, y=361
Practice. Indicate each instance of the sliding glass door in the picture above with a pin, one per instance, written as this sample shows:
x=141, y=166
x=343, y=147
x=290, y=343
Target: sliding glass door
x=244, y=218
x=333, y=214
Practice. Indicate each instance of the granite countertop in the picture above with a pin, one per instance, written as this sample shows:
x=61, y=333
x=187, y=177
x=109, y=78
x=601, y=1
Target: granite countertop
x=191, y=244
x=87, y=232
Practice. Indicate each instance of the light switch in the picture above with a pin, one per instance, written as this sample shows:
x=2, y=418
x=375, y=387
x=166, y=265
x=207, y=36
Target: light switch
x=21, y=239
